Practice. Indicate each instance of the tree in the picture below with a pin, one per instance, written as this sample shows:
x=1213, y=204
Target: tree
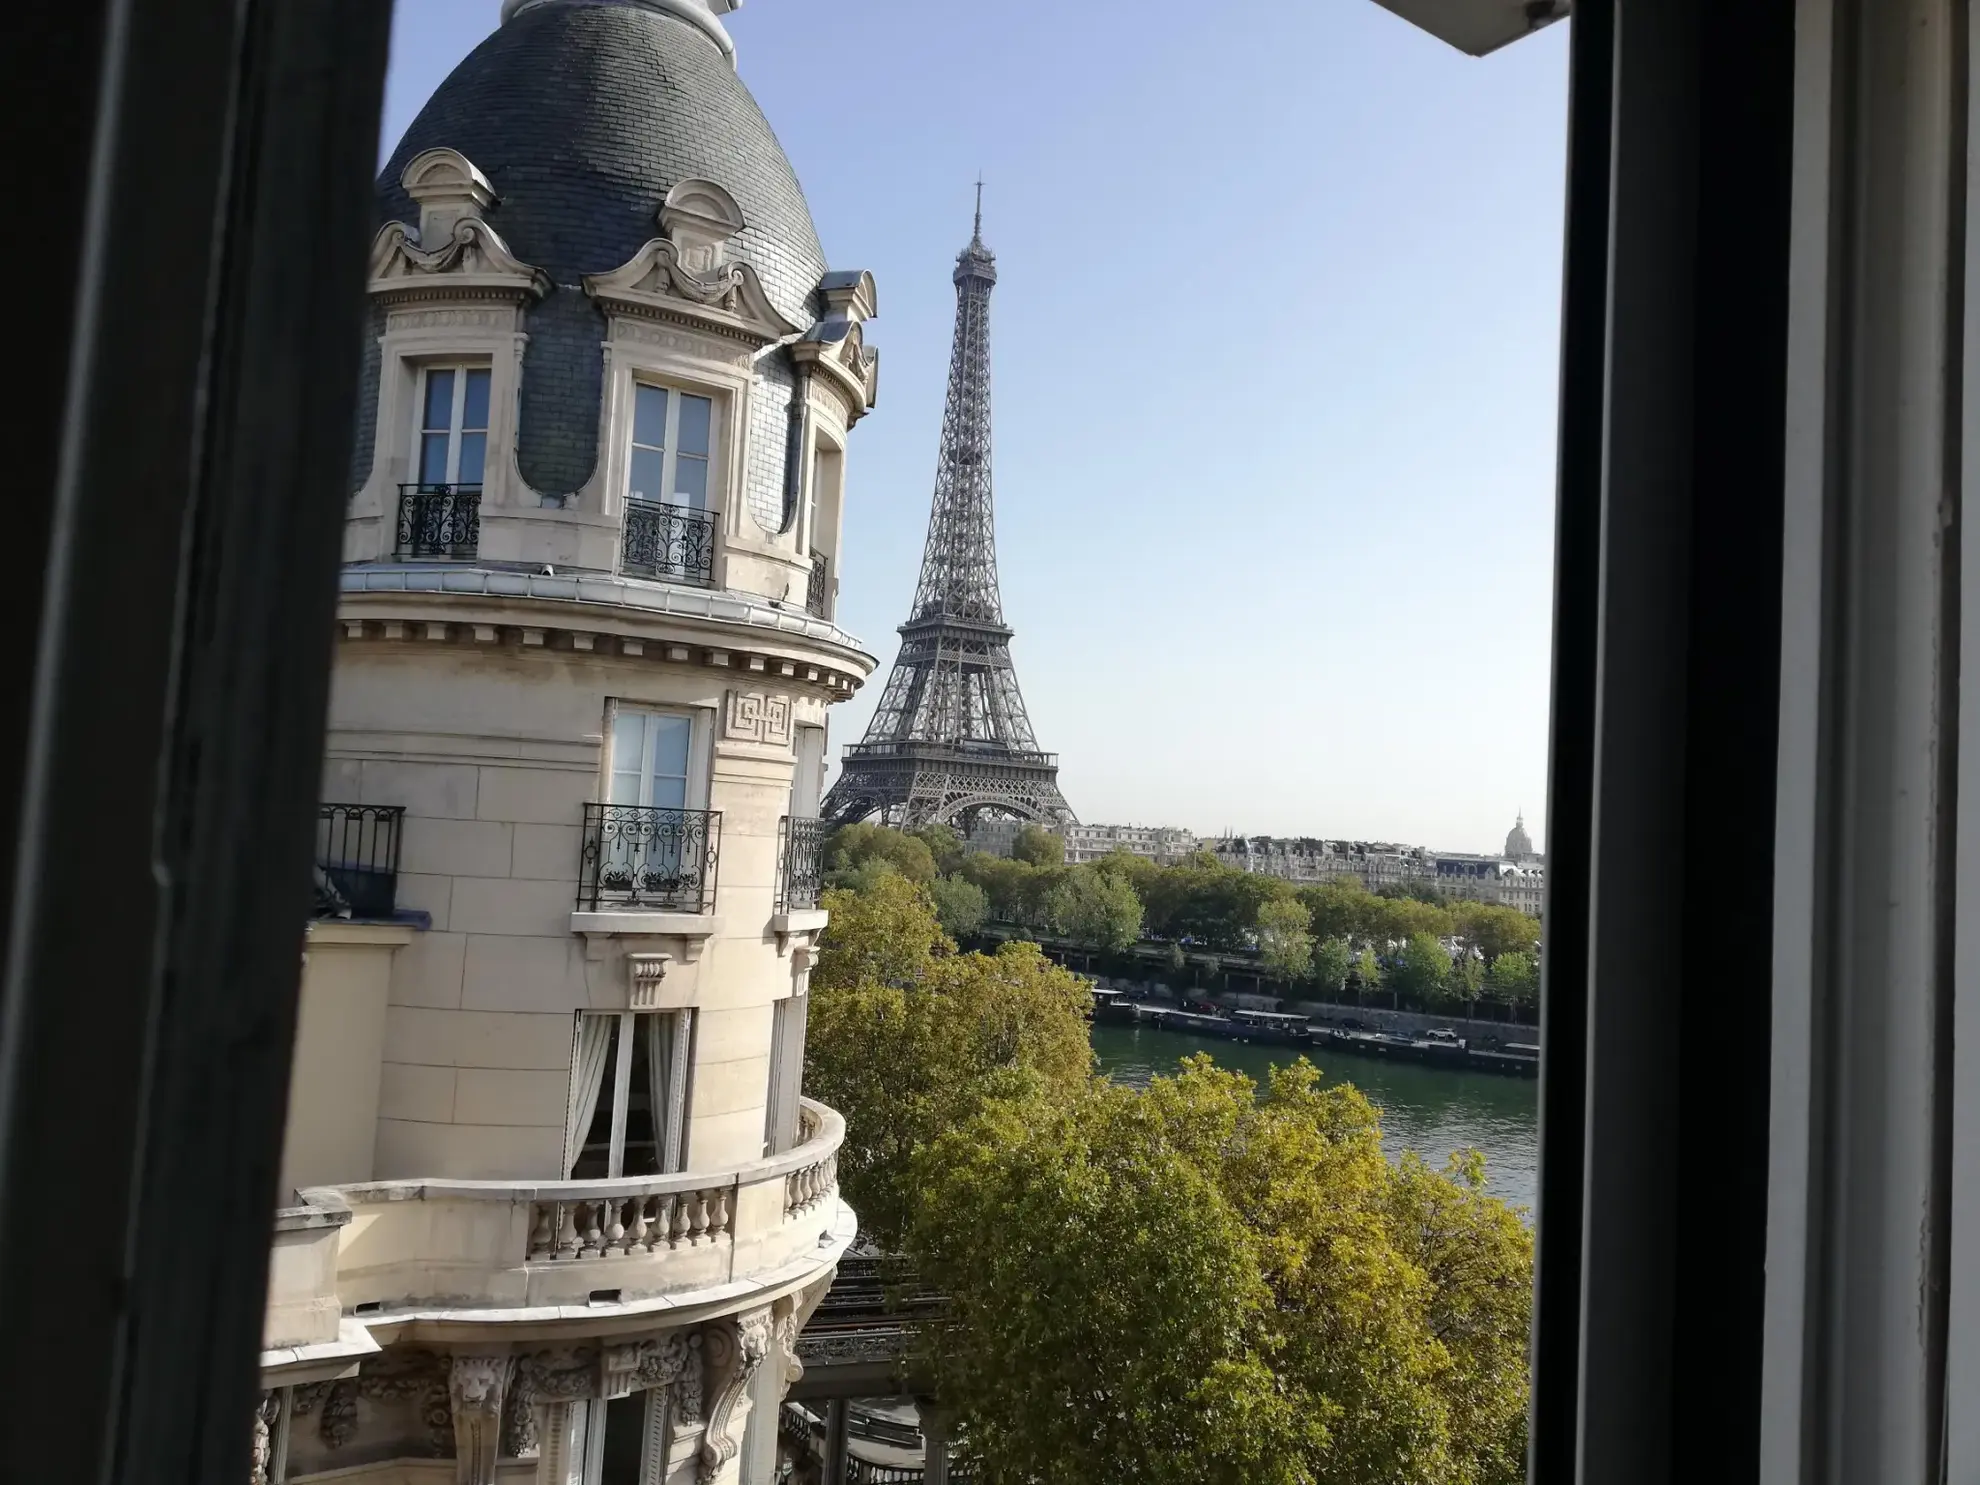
x=1467, y=977
x=1284, y=945
x=908, y=1038
x=1368, y=971
x=1494, y=929
x=944, y=845
x=886, y=934
x=852, y=850
x=1201, y=1282
x=1416, y=889
x=1422, y=967
x=1095, y=908
x=1333, y=961
x=1003, y=882
x=1404, y=918
x=960, y=905
x=1514, y=978
x=1341, y=908
x=1037, y=846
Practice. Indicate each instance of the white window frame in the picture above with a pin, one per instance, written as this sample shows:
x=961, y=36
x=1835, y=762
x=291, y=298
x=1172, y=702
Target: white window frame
x=455, y=431
x=670, y=450
x=699, y=729
x=669, y=1123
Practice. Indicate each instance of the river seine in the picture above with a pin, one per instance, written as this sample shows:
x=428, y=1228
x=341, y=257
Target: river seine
x=1428, y=1110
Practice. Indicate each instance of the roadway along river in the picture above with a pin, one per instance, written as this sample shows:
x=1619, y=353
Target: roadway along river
x=1428, y=1110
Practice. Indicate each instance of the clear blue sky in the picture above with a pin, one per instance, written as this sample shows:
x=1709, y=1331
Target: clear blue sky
x=1274, y=343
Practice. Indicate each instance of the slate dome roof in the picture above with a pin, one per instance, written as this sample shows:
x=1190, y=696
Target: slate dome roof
x=583, y=114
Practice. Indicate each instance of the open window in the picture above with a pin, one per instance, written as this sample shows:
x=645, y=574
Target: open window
x=629, y=1094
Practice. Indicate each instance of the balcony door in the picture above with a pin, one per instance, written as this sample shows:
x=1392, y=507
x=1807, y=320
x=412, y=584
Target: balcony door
x=671, y=438
x=628, y=1094
x=453, y=425
x=653, y=832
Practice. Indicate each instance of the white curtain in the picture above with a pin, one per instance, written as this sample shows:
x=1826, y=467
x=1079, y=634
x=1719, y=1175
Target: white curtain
x=594, y=1039
x=659, y=1031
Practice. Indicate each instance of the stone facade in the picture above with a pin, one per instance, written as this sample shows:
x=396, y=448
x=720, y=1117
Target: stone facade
x=1162, y=844
x=1511, y=880
x=557, y=1210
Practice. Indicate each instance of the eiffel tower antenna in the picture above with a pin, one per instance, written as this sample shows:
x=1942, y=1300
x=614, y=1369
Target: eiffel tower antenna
x=950, y=740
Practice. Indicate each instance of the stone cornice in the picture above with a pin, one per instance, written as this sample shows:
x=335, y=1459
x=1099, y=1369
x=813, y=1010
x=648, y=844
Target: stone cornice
x=601, y=615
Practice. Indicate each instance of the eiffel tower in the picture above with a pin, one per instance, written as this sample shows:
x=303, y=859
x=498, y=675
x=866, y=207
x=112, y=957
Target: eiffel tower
x=950, y=741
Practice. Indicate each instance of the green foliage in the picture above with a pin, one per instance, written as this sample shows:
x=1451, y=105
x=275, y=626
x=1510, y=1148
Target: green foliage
x=1514, y=978
x=960, y=905
x=1037, y=846
x=1422, y=967
x=944, y=845
x=1417, y=890
x=1467, y=977
x=853, y=849
x=908, y=1038
x=1495, y=930
x=1333, y=961
x=1400, y=919
x=1284, y=945
x=1093, y=907
x=1003, y=881
x=1341, y=908
x=1200, y=1283
x=885, y=933
x=1368, y=970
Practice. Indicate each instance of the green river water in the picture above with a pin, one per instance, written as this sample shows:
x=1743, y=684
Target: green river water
x=1429, y=1110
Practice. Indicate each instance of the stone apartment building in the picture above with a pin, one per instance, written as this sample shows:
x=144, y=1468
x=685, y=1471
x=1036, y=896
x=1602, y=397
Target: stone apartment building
x=1163, y=844
x=1516, y=878
x=559, y=1210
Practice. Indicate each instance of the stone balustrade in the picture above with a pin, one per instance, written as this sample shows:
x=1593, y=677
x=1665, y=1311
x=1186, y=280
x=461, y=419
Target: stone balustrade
x=453, y=1245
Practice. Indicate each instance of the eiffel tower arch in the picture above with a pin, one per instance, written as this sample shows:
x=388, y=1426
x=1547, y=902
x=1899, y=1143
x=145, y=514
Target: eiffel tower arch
x=950, y=740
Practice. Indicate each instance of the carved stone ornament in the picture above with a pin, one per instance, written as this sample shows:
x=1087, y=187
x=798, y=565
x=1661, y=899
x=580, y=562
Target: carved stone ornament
x=786, y=1328
x=686, y=273
x=473, y=262
x=545, y=1377
x=736, y=1348
x=263, y=1458
x=475, y=1389
x=837, y=347
x=757, y=717
x=646, y=971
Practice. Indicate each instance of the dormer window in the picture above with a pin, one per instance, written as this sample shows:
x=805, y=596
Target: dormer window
x=670, y=447
x=453, y=426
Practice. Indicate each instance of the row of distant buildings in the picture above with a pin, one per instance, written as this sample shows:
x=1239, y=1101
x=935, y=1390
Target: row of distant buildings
x=1514, y=878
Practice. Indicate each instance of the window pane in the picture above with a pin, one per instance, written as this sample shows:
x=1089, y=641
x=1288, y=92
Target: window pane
x=645, y=481
x=691, y=482
x=628, y=749
x=474, y=401
x=433, y=458
x=694, y=425
x=670, y=745
x=650, y=416
x=594, y=1160
x=474, y=450
x=625, y=1436
x=439, y=400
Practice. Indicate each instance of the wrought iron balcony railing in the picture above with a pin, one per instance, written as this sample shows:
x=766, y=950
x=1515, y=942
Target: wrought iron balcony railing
x=669, y=541
x=634, y=856
x=439, y=521
x=800, y=862
x=815, y=597
x=357, y=859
